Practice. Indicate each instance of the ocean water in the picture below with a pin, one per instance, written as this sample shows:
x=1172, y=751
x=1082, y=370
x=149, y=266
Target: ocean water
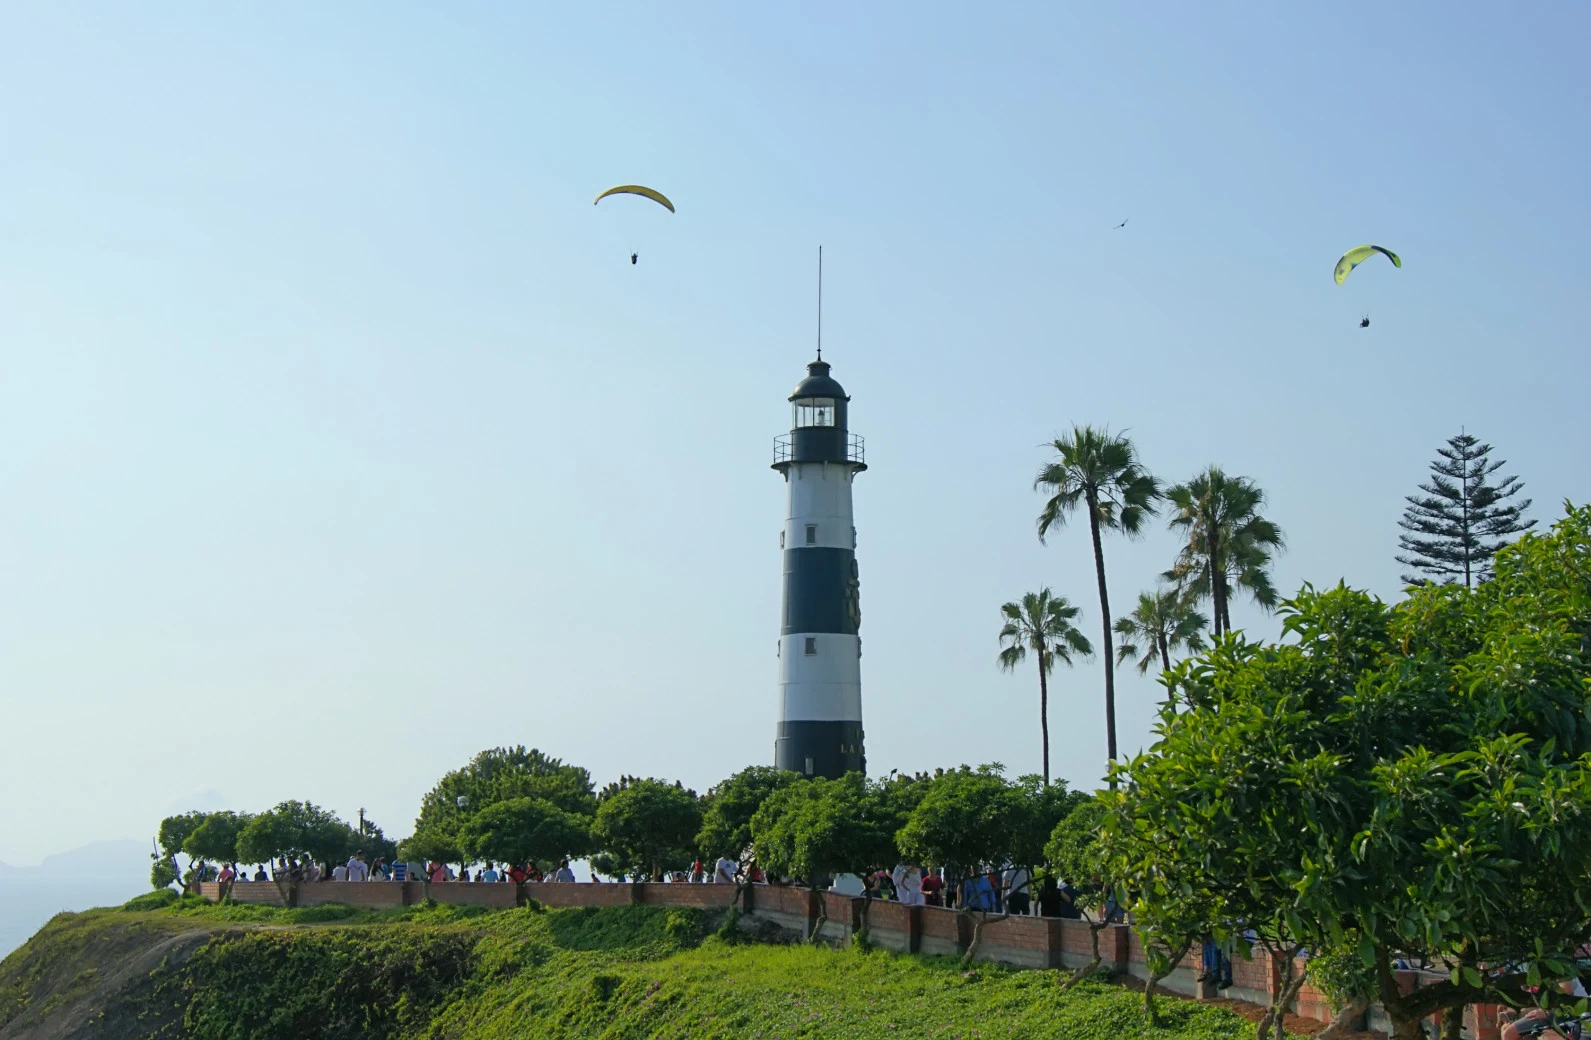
x=27, y=902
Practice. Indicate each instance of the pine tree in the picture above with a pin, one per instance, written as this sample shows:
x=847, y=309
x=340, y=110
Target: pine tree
x=1462, y=519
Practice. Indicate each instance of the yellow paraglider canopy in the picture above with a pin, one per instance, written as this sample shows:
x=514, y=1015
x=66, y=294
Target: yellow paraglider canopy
x=1356, y=256
x=637, y=189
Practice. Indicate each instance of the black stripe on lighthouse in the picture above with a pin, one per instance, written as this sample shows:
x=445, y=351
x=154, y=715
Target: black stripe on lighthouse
x=817, y=594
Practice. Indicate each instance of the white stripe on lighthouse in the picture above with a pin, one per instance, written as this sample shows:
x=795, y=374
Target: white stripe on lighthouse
x=820, y=498
x=825, y=686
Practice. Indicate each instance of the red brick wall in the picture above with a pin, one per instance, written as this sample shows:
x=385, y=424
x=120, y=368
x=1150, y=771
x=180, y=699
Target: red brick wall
x=581, y=893
x=783, y=899
x=498, y=896
x=940, y=923
x=712, y=897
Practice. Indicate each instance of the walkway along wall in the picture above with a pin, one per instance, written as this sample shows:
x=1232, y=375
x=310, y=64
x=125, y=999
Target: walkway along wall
x=1024, y=942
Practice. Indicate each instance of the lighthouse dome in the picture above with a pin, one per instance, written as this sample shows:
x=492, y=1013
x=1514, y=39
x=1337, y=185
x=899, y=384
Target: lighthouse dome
x=819, y=383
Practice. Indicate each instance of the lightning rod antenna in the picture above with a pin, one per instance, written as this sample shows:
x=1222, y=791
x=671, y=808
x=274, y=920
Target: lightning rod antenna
x=820, y=303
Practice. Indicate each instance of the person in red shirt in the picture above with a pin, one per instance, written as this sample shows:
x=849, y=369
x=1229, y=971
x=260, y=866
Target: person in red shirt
x=933, y=888
x=517, y=874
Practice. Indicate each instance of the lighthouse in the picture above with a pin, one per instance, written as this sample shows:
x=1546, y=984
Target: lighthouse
x=820, y=654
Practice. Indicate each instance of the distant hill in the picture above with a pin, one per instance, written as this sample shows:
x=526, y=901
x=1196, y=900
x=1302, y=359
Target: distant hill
x=100, y=859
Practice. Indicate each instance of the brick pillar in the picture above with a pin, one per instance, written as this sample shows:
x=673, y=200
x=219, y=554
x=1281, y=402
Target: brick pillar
x=1115, y=947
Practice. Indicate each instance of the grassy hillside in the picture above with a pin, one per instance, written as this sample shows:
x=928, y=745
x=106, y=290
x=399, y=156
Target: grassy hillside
x=254, y=973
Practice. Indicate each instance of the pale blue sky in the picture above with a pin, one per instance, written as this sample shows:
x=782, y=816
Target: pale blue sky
x=341, y=440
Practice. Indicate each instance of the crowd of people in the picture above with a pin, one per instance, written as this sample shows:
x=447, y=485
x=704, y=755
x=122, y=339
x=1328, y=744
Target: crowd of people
x=990, y=888
x=993, y=888
x=291, y=868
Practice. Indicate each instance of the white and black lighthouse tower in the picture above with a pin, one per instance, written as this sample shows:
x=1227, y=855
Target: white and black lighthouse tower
x=820, y=668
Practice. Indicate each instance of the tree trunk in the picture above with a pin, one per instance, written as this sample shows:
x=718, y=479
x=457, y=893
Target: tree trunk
x=1292, y=981
x=1346, y=1020
x=1165, y=654
x=1087, y=970
x=1217, y=583
x=817, y=926
x=1453, y=1022
x=1408, y=1023
x=1154, y=980
x=1044, y=716
x=979, y=919
x=1104, y=617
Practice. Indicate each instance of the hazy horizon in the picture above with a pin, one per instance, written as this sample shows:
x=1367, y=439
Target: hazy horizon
x=343, y=440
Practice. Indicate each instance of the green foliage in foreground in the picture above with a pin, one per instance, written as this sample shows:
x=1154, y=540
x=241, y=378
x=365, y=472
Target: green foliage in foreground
x=620, y=973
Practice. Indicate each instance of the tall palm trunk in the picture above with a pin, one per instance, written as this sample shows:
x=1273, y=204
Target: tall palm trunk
x=1044, y=714
x=1165, y=652
x=1217, y=584
x=1104, y=617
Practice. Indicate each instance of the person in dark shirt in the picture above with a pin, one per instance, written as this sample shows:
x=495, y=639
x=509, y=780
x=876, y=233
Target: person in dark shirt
x=1050, y=898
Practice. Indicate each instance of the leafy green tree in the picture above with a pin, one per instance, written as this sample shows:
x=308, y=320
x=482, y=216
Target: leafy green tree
x=1164, y=621
x=647, y=826
x=1416, y=775
x=162, y=872
x=173, y=832
x=1077, y=854
x=730, y=805
x=374, y=843
x=1048, y=804
x=1460, y=521
x=1347, y=981
x=1099, y=472
x=436, y=843
x=494, y=775
x=295, y=830
x=1229, y=544
x=522, y=829
x=216, y=837
x=813, y=829
x=216, y=840
x=1042, y=623
x=969, y=819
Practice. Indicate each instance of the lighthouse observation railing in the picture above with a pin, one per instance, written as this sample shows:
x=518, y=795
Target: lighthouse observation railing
x=855, y=449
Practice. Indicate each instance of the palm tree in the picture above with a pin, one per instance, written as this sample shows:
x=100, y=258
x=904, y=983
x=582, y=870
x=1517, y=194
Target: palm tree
x=1229, y=545
x=1162, y=621
x=1099, y=471
x=1041, y=623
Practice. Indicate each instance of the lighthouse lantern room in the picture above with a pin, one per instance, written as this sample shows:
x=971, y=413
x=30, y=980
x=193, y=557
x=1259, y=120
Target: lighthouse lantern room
x=820, y=670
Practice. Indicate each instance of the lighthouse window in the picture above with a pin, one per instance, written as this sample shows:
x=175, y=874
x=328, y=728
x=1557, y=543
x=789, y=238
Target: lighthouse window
x=812, y=646
x=812, y=534
x=814, y=411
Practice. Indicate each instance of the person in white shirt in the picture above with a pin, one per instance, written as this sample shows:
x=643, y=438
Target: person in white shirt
x=724, y=871
x=356, y=869
x=908, y=878
x=564, y=873
x=339, y=873
x=1016, y=881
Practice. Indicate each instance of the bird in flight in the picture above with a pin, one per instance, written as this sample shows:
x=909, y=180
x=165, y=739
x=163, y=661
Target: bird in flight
x=1364, y=322
x=1122, y=224
x=634, y=257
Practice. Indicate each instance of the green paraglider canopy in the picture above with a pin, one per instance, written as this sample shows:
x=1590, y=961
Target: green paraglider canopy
x=637, y=189
x=1356, y=256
